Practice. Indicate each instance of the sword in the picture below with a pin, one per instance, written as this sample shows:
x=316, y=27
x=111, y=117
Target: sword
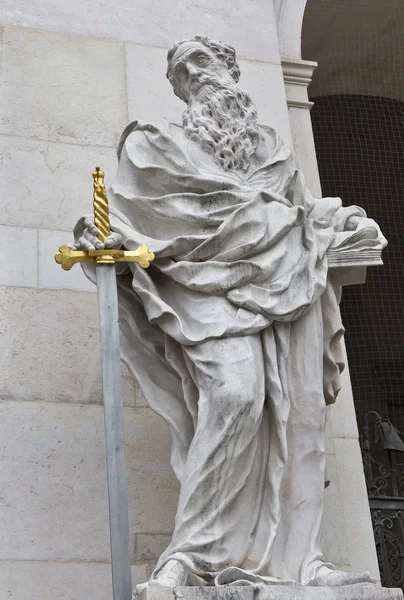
x=111, y=379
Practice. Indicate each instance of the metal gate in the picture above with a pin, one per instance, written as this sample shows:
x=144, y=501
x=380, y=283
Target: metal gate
x=383, y=453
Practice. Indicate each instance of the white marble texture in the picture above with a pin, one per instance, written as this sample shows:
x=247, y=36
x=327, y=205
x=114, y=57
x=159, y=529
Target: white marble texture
x=149, y=91
x=264, y=81
x=355, y=506
x=59, y=88
x=249, y=25
x=54, y=490
x=343, y=417
x=274, y=592
x=42, y=356
x=335, y=541
x=18, y=256
x=48, y=184
x=50, y=274
x=40, y=580
x=149, y=546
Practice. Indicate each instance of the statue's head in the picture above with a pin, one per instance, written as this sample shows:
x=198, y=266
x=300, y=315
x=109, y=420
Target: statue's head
x=193, y=63
x=220, y=115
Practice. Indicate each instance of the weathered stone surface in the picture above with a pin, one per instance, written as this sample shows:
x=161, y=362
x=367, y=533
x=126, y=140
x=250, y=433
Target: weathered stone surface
x=150, y=95
x=59, y=88
x=18, y=256
x=51, y=275
x=268, y=592
x=37, y=580
x=49, y=344
x=335, y=543
x=50, y=580
x=140, y=400
x=54, y=492
x=49, y=185
x=355, y=506
x=149, y=22
x=343, y=416
x=149, y=546
x=264, y=82
x=329, y=441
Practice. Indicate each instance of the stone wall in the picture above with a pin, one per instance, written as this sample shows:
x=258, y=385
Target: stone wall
x=72, y=76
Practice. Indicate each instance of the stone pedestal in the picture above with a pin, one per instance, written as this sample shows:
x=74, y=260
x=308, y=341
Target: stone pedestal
x=271, y=592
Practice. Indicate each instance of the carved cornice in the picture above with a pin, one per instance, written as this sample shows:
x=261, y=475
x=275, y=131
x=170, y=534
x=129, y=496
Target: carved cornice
x=297, y=75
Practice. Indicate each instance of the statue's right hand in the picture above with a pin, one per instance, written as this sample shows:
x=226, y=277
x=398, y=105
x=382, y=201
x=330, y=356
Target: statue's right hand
x=85, y=237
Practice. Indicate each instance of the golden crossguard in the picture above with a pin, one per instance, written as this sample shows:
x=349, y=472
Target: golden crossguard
x=66, y=257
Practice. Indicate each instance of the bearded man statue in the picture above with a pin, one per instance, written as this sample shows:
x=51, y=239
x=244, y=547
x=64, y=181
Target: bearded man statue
x=233, y=333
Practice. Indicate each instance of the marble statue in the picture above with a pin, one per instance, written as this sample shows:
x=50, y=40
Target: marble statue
x=234, y=332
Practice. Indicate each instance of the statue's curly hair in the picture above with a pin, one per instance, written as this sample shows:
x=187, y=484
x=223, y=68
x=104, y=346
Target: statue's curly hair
x=224, y=52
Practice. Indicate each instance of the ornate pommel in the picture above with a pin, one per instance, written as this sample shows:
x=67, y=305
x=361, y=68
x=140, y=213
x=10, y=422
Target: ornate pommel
x=67, y=257
x=101, y=214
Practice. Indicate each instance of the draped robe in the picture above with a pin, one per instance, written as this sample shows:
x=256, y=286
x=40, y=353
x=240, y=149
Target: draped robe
x=241, y=267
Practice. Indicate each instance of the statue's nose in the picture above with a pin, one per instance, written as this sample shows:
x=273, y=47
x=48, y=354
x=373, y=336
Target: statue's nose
x=193, y=72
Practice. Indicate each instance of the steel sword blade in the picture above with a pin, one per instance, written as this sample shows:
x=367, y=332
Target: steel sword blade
x=114, y=431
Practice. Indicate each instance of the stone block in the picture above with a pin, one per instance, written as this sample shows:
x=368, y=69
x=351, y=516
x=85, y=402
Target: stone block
x=355, y=507
x=343, y=416
x=250, y=26
x=335, y=544
x=54, y=490
x=50, y=580
x=49, y=185
x=329, y=441
x=150, y=546
x=141, y=572
x=60, y=88
x=150, y=95
x=140, y=400
x=271, y=592
x=50, y=347
x=23, y=580
x=153, y=488
x=51, y=275
x=18, y=256
x=303, y=146
x=264, y=82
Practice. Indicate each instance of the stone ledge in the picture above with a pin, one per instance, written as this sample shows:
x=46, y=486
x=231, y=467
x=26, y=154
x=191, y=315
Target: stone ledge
x=271, y=592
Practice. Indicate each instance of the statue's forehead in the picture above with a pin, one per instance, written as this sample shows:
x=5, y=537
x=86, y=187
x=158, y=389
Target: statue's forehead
x=186, y=49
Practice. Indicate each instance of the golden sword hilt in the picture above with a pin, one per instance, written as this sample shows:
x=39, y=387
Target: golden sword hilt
x=66, y=257
x=100, y=205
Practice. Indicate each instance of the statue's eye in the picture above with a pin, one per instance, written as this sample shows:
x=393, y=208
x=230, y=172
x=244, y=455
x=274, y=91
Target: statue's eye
x=201, y=61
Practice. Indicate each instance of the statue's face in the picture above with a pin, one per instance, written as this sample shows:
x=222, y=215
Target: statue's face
x=193, y=65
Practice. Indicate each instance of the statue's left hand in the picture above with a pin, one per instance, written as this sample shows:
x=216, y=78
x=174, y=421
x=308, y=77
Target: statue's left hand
x=355, y=223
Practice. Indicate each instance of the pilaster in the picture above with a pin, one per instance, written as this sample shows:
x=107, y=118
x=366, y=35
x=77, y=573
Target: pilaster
x=297, y=75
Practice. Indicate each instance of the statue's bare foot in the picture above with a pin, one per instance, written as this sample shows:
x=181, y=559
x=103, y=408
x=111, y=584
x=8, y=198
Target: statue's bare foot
x=339, y=578
x=171, y=575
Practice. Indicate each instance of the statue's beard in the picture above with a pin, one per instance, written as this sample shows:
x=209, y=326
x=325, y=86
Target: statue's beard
x=223, y=119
